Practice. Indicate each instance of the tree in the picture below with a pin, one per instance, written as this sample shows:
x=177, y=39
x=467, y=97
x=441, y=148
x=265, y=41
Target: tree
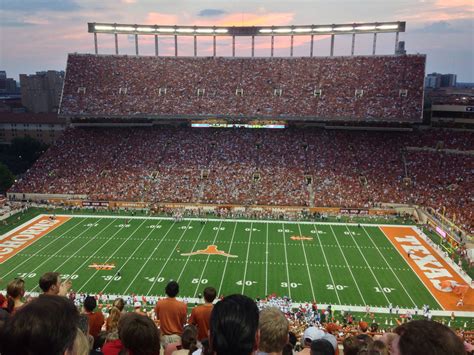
x=6, y=178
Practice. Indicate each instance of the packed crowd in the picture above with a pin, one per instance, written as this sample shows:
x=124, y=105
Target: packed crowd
x=235, y=325
x=126, y=86
x=263, y=167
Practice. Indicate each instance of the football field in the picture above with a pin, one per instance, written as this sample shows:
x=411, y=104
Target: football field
x=340, y=264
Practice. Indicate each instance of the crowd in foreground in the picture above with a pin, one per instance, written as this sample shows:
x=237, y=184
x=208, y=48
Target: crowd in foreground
x=292, y=167
x=51, y=324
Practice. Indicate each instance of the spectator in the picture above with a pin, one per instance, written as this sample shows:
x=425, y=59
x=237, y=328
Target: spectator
x=201, y=315
x=96, y=319
x=111, y=323
x=310, y=334
x=50, y=283
x=353, y=344
x=234, y=326
x=44, y=326
x=15, y=293
x=172, y=315
x=188, y=341
x=273, y=327
x=321, y=347
x=426, y=337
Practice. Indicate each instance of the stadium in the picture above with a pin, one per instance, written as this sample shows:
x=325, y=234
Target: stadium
x=308, y=181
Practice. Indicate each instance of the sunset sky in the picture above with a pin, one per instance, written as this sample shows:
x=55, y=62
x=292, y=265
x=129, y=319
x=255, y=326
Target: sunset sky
x=37, y=34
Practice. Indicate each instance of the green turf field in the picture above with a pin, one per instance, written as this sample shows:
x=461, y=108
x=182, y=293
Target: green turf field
x=342, y=264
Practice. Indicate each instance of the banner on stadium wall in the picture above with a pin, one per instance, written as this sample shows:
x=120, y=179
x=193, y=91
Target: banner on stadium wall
x=121, y=204
x=330, y=210
x=382, y=212
x=102, y=204
x=356, y=211
x=60, y=201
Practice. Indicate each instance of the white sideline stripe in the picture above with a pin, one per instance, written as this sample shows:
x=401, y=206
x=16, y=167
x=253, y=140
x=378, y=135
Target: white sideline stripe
x=227, y=259
x=47, y=245
x=307, y=266
x=266, y=261
x=370, y=268
x=271, y=221
x=348, y=267
x=110, y=256
x=207, y=260
x=389, y=266
x=130, y=256
x=335, y=307
x=411, y=267
x=23, y=225
x=327, y=265
x=57, y=251
x=461, y=273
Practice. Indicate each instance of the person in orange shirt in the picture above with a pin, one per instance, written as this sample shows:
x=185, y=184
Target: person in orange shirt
x=172, y=315
x=201, y=315
x=96, y=319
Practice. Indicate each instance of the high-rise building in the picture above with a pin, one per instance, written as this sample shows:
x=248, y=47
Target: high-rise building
x=448, y=80
x=7, y=85
x=437, y=80
x=41, y=92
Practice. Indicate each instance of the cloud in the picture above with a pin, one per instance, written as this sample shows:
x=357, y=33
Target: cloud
x=252, y=19
x=15, y=23
x=211, y=12
x=157, y=18
x=39, y=5
x=438, y=27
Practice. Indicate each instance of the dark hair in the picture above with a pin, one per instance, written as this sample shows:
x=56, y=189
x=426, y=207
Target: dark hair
x=45, y=326
x=172, y=289
x=83, y=323
x=233, y=327
x=321, y=347
x=210, y=294
x=15, y=288
x=189, y=338
x=139, y=334
x=428, y=337
x=47, y=280
x=90, y=303
x=354, y=344
x=292, y=339
x=287, y=349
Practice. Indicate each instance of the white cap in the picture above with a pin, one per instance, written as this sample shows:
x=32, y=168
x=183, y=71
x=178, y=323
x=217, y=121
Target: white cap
x=312, y=333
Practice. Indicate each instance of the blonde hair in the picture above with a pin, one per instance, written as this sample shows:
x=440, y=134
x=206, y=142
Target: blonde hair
x=81, y=344
x=113, y=319
x=273, y=327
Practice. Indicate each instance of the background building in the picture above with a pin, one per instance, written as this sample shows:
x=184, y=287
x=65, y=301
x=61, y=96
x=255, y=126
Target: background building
x=40, y=93
x=437, y=80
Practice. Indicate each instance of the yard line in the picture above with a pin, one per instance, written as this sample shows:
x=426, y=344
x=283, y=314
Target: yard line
x=327, y=265
x=57, y=251
x=110, y=256
x=348, y=267
x=266, y=262
x=370, y=269
x=205, y=265
x=47, y=245
x=247, y=258
x=227, y=259
x=286, y=260
x=192, y=249
x=170, y=254
x=390, y=267
x=129, y=258
x=307, y=266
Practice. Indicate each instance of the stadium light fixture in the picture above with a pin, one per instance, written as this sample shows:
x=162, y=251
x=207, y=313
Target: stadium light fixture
x=166, y=29
x=344, y=28
x=266, y=30
x=387, y=27
x=365, y=28
x=185, y=30
x=323, y=29
x=221, y=30
x=302, y=30
x=125, y=28
x=104, y=28
x=205, y=30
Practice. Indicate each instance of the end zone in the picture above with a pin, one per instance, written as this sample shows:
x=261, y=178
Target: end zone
x=19, y=238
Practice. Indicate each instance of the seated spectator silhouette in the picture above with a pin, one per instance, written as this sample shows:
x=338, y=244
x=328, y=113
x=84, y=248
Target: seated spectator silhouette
x=234, y=326
x=96, y=319
x=201, y=315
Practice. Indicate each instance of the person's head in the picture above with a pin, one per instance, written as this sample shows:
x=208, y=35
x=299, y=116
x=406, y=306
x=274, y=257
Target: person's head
x=311, y=334
x=139, y=334
x=50, y=283
x=113, y=319
x=44, y=326
x=90, y=303
x=189, y=338
x=15, y=291
x=210, y=294
x=234, y=326
x=273, y=328
x=172, y=289
x=353, y=344
x=378, y=347
x=426, y=337
x=119, y=303
x=321, y=347
x=81, y=344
